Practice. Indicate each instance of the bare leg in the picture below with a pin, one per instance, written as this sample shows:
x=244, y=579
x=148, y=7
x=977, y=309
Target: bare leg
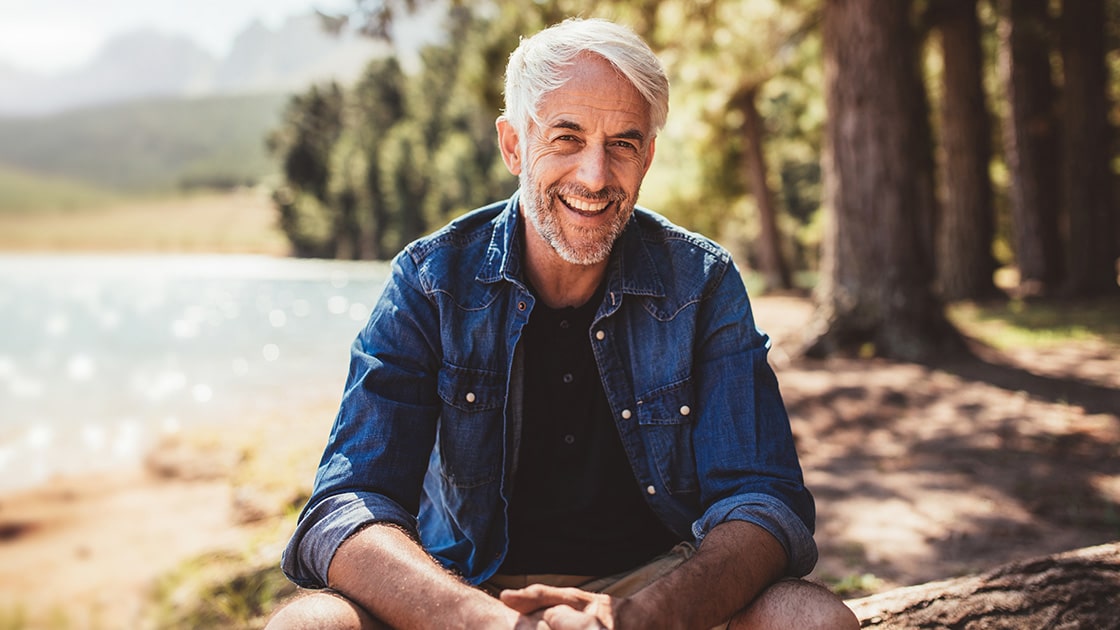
x=322, y=610
x=796, y=604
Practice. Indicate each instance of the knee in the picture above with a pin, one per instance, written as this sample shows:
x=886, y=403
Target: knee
x=797, y=604
x=321, y=610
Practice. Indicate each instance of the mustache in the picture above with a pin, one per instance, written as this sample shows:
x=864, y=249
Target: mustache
x=608, y=194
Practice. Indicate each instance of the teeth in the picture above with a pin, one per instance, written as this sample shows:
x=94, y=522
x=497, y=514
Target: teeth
x=584, y=206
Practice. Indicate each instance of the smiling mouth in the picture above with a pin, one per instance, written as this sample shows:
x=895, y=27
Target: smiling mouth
x=584, y=208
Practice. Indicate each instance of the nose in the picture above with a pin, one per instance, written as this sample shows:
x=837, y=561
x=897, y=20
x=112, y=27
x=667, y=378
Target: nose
x=594, y=168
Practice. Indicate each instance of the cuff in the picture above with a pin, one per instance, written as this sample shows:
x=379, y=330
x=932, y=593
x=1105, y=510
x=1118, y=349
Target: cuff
x=769, y=514
x=323, y=528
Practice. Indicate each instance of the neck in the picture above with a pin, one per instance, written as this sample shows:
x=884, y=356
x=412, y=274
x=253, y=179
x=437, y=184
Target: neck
x=568, y=289
x=558, y=282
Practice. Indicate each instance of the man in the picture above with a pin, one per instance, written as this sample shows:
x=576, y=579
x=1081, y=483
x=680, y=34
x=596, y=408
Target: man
x=560, y=414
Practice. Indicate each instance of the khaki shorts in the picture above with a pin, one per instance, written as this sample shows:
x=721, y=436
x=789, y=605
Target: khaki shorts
x=622, y=584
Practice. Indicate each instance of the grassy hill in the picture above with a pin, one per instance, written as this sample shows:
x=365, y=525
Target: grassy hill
x=145, y=146
x=22, y=192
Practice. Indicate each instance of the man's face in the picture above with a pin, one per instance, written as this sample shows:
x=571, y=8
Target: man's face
x=581, y=168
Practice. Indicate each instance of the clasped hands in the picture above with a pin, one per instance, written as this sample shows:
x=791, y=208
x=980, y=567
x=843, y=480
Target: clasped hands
x=557, y=608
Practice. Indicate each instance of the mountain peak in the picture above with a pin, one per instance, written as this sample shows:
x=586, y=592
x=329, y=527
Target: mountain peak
x=149, y=62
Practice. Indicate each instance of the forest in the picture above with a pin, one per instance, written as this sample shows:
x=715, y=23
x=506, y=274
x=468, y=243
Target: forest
x=894, y=155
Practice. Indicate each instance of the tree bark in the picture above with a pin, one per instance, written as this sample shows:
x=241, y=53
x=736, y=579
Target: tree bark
x=875, y=294
x=1086, y=182
x=1078, y=589
x=774, y=269
x=1031, y=146
x=965, y=265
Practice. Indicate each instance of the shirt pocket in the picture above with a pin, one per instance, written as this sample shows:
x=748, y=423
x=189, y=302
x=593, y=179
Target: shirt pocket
x=666, y=418
x=470, y=425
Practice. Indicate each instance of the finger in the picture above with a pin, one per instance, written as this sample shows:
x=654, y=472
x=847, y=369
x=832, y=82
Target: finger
x=531, y=622
x=568, y=618
x=537, y=596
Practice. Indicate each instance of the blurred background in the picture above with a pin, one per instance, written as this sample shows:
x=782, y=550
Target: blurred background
x=197, y=201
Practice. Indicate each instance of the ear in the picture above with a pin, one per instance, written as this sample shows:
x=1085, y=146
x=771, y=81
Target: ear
x=510, y=144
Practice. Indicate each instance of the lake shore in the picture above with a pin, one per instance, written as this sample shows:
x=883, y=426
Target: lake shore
x=240, y=221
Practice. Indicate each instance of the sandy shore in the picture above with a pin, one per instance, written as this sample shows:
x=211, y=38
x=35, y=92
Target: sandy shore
x=89, y=551
x=86, y=551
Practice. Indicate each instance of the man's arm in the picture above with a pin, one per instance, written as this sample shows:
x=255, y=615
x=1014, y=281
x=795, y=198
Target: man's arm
x=736, y=562
x=386, y=572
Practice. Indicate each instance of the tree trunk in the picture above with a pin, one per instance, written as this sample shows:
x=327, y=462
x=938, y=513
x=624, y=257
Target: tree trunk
x=1030, y=139
x=966, y=228
x=774, y=267
x=1086, y=182
x=875, y=293
x=1078, y=589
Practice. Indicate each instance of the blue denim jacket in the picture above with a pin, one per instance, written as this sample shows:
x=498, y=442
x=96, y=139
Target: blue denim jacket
x=427, y=434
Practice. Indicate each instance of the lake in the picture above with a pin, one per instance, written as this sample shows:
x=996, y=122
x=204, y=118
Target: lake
x=100, y=355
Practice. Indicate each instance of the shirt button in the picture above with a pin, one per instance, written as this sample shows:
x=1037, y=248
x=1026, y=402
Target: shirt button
x=569, y=439
x=568, y=378
x=522, y=306
x=600, y=335
x=626, y=414
x=470, y=397
x=651, y=490
x=685, y=410
x=564, y=324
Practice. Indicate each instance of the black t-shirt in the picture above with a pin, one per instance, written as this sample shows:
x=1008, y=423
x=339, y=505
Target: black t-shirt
x=576, y=507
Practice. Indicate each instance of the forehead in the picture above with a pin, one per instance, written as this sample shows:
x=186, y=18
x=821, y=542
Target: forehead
x=595, y=92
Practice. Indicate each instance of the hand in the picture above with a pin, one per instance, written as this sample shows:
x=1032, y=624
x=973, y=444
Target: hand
x=563, y=608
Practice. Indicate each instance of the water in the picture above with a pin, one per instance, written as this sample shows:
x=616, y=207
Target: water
x=101, y=355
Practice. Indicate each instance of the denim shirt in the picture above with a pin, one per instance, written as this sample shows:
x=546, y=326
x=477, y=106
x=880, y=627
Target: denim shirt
x=427, y=433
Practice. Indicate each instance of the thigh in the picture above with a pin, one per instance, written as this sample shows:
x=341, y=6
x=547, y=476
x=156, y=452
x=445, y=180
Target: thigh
x=323, y=609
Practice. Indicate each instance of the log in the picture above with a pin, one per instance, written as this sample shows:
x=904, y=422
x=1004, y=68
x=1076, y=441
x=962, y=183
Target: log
x=1076, y=589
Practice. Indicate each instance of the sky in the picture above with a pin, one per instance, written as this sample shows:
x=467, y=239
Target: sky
x=51, y=36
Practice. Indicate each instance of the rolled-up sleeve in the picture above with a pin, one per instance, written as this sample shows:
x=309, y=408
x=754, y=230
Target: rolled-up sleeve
x=770, y=514
x=324, y=527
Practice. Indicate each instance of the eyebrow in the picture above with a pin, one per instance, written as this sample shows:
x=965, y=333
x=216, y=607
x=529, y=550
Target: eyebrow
x=629, y=134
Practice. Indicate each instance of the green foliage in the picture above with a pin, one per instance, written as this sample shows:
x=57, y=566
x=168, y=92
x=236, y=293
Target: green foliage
x=717, y=52
x=426, y=141
x=145, y=146
x=373, y=166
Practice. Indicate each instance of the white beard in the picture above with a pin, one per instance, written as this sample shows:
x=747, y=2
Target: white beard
x=586, y=246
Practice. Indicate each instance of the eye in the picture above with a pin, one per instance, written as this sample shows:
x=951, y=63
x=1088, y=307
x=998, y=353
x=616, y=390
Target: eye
x=624, y=144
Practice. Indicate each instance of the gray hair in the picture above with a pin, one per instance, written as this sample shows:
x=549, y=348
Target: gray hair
x=536, y=67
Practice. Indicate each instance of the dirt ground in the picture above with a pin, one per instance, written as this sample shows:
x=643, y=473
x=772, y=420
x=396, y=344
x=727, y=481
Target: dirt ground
x=920, y=473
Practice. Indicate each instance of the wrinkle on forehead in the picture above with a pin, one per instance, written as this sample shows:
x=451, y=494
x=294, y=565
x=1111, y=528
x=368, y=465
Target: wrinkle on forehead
x=594, y=84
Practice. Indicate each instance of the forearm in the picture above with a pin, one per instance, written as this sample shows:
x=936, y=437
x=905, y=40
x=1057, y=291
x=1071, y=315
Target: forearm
x=736, y=561
x=387, y=573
